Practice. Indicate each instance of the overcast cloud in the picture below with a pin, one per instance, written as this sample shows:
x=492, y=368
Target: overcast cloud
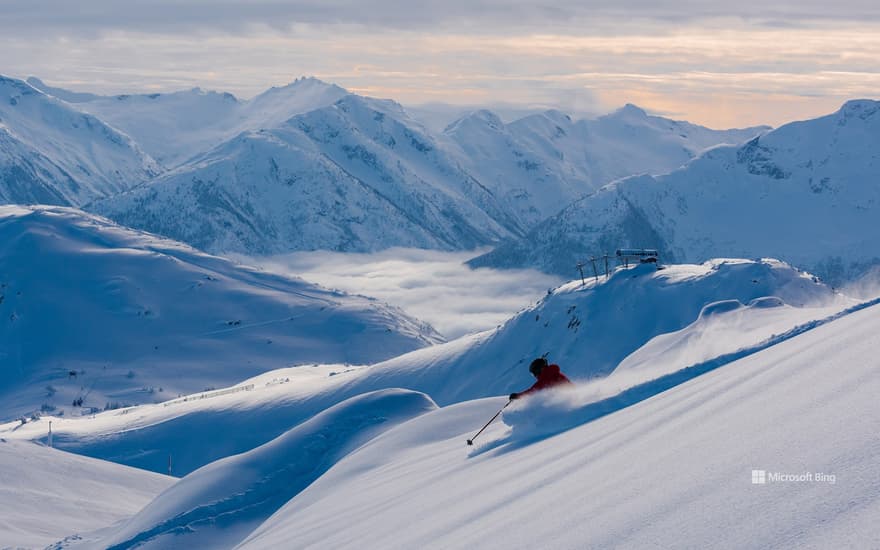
x=433, y=286
x=465, y=15
x=717, y=63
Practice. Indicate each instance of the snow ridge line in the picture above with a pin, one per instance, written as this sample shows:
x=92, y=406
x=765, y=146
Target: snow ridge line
x=208, y=395
x=646, y=390
x=274, y=488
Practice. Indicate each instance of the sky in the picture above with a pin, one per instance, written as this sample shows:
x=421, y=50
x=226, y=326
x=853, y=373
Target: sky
x=433, y=286
x=712, y=62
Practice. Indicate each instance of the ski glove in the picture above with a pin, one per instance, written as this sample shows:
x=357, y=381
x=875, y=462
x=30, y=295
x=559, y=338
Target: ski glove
x=514, y=396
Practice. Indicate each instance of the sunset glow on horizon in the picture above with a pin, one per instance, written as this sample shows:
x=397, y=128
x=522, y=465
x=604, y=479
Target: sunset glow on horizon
x=717, y=71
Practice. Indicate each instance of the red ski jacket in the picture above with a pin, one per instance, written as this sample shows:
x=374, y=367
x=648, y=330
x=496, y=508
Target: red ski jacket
x=548, y=377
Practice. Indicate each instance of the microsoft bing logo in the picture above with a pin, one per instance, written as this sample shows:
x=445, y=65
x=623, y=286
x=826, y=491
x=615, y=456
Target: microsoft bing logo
x=763, y=477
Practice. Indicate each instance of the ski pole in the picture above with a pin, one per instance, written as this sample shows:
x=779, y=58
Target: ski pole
x=471, y=440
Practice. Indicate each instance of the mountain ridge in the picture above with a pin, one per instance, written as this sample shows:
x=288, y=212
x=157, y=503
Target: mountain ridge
x=805, y=192
x=344, y=177
x=51, y=152
x=541, y=163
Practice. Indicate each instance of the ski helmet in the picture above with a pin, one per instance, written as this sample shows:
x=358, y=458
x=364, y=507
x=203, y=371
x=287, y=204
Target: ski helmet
x=537, y=366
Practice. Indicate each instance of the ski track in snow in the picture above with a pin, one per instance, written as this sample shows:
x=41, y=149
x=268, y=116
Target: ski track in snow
x=532, y=421
x=563, y=409
x=672, y=471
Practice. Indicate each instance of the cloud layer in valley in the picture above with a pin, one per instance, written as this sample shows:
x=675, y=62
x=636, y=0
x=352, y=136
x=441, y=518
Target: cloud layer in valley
x=434, y=286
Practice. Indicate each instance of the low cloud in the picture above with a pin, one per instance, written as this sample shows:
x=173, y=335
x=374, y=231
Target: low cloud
x=434, y=286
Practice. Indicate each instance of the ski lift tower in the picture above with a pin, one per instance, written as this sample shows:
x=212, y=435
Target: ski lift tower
x=626, y=256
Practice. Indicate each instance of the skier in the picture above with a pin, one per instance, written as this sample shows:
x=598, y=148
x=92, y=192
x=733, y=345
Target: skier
x=548, y=376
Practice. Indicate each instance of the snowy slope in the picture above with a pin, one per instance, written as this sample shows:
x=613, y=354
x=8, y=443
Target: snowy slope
x=52, y=153
x=306, y=166
x=279, y=104
x=171, y=127
x=218, y=505
x=673, y=471
x=356, y=176
x=174, y=127
x=46, y=494
x=93, y=310
x=541, y=163
x=195, y=429
x=807, y=193
x=588, y=330
x=62, y=94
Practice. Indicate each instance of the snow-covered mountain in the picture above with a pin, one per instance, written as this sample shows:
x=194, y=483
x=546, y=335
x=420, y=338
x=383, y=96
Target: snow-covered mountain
x=361, y=175
x=709, y=384
x=51, y=153
x=807, y=193
x=541, y=163
x=219, y=505
x=279, y=104
x=772, y=450
x=171, y=127
x=307, y=166
x=174, y=127
x=48, y=494
x=69, y=96
x=591, y=329
x=93, y=311
x=358, y=175
x=717, y=308
x=304, y=417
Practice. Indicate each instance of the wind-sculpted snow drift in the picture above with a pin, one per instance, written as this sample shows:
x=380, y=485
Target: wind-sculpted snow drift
x=219, y=504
